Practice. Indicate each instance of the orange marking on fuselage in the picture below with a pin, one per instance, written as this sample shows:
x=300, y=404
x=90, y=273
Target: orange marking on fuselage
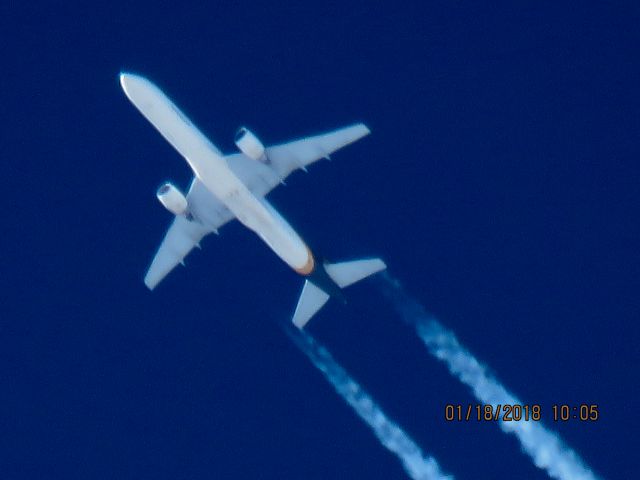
x=308, y=267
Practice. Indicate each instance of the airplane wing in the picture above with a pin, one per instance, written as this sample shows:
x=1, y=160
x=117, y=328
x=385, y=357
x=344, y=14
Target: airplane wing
x=290, y=156
x=209, y=214
x=283, y=159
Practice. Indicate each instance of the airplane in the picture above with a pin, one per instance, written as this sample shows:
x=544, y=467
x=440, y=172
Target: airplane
x=225, y=187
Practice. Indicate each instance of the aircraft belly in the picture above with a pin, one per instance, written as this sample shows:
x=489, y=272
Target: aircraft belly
x=212, y=170
x=257, y=215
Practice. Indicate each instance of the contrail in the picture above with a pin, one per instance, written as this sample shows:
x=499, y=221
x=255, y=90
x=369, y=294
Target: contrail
x=416, y=464
x=545, y=448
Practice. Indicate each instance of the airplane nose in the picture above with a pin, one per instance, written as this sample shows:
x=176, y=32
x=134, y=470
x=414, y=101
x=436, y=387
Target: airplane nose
x=130, y=82
x=125, y=80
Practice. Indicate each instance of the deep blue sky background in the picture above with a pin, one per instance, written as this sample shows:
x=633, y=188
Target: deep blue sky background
x=500, y=184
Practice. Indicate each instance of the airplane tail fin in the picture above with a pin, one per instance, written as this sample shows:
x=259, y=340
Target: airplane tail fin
x=343, y=274
x=348, y=273
x=311, y=300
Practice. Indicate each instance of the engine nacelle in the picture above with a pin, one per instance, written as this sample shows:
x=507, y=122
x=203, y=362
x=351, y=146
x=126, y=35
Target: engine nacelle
x=172, y=198
x=249, y=144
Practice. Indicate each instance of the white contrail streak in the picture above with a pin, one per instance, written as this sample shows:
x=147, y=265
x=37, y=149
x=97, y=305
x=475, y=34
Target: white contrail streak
x=392, y=437
x=545, y=448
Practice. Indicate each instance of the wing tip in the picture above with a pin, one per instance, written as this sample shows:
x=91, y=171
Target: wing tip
x=150, y=284
x=359, y=129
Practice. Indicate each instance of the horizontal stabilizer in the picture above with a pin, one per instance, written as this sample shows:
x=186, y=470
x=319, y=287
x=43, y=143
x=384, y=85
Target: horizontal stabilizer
x=311, y=300
x=348, y=273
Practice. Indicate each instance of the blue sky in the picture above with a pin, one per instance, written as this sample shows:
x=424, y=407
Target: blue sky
x=499, y=184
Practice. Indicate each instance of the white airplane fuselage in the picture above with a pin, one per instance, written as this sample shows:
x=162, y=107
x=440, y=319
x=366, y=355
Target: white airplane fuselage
x=212, y=170
x=228, y=187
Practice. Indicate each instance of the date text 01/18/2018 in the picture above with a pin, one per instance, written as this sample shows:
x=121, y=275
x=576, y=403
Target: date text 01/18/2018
x=516, y=413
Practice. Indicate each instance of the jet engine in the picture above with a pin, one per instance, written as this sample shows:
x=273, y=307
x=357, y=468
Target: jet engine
x=172, y=198
x=249, y=144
